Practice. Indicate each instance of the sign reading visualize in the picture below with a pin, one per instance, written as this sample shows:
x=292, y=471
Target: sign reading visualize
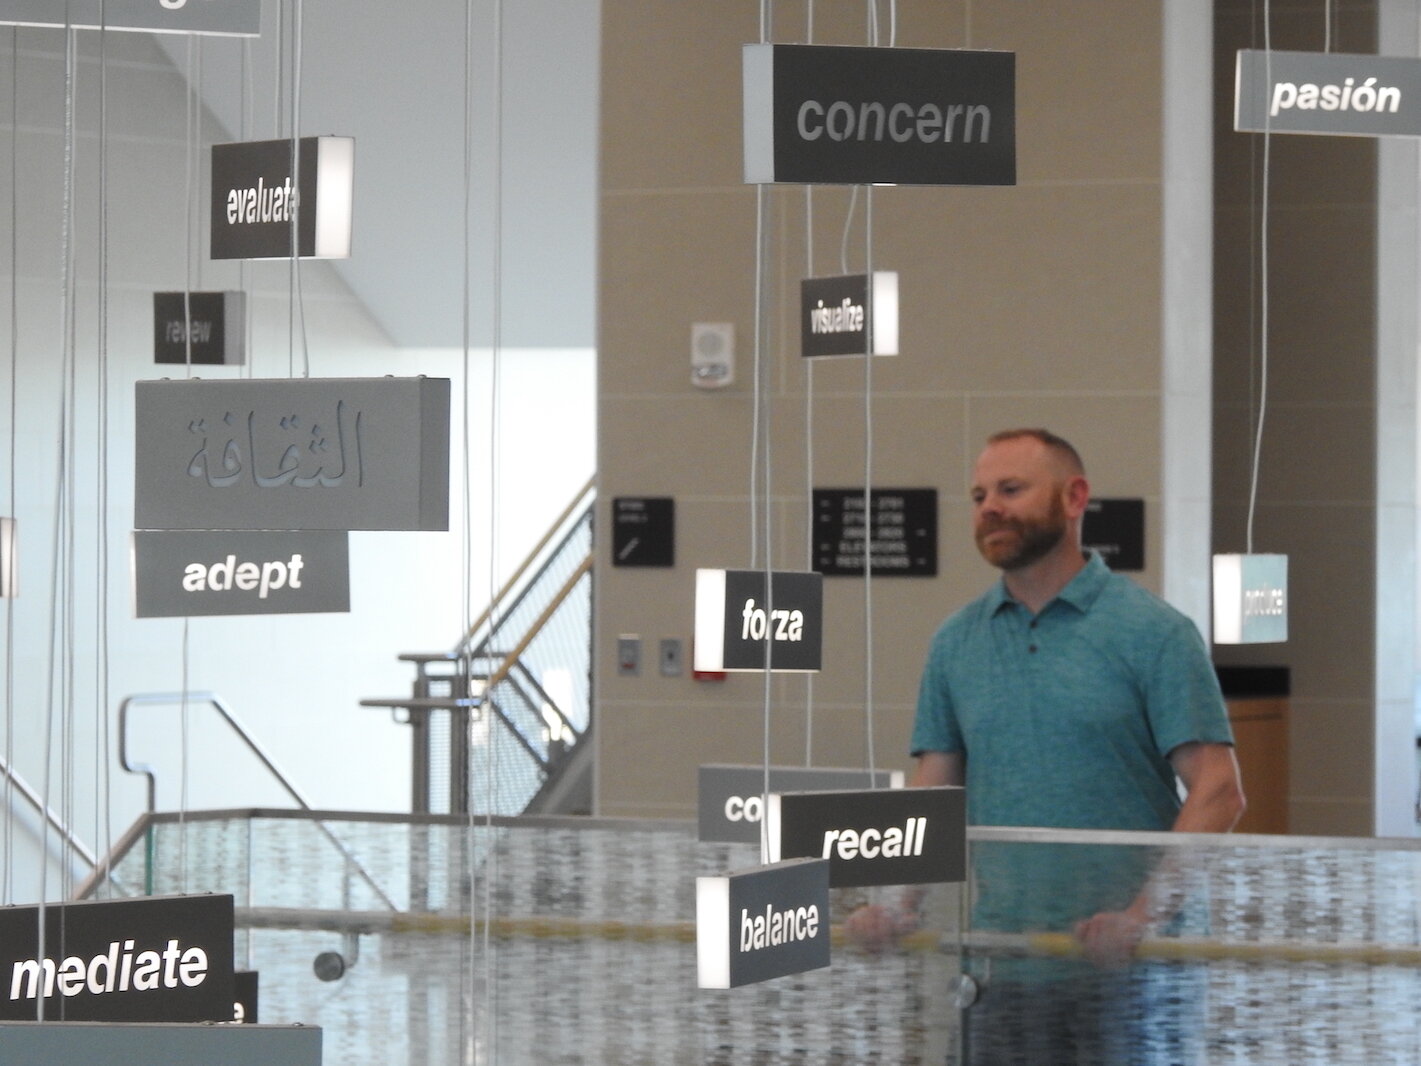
x=1116, y=529
x=743, y=625
x=730, y=803
x=187, y=574
x=847, y=316
x=155, y=959
x=644, y=531
x=762, y=923
x=1328, y=92
x=1250, y=599
x=229, y=18
x=901, y=533
x=904, y=836
x=304, y=453
x=855, y=116
x=255, y=199
x=209, y=326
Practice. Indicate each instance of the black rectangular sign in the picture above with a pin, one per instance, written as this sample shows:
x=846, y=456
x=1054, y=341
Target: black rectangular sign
x=1327, y=92
x=154, y=959
x=729, y=799
x=255, y=198
x=758, y=924
x=208, y=326
x=1116, y=529
x=899, y=836
x=643, y=531
x=848, y=315
x=742, y=626
x=902, y=532
x=904, y=116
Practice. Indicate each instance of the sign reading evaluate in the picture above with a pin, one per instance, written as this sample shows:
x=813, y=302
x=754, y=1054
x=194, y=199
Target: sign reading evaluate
x=258, y=198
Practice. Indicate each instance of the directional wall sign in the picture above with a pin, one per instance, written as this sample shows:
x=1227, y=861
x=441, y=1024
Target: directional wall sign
x=904, y=116
x=901, y=836
x=152, y=959
x=741, y=625
x=1116, y=529
x=254, y=198
x=643, y=531
x=767, y=922
x=207, y=328
x=292, y=453
x=730, y=798
x=1327, y=92
x=902, y=533
x=846, y=315
x=223, y=18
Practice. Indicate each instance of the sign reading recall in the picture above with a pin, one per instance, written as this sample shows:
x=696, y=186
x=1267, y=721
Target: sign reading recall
x=644, y=531
x=854, y=116
x=762, y=923
x=846, y=316
x=1116, y=529
x=901, y=533
x=255, y=198
x=1327, y=92
x=303, y=453
x=741, y=626
x=730, y=803
x=187, y=574
x=155, y=959
x=901, y=836
x=207, y=325
x=229, y=18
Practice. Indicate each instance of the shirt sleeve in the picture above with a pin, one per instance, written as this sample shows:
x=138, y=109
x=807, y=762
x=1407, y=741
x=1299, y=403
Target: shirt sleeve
x=1182, y=695
x=935, y=727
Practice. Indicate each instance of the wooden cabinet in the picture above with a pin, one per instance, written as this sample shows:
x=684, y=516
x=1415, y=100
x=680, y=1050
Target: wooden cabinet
x=1260, y=726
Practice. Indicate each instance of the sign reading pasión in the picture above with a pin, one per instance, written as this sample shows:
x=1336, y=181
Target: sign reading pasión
x=1332, y=92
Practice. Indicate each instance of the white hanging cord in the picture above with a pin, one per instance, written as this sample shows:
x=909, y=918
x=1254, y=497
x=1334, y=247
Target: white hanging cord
x=848, y=228
x=245, y=135
x=103, y=740
x=296, y=301
x=809, y=516
x=756, y=397
x=868, y=481
x=8, y=895
x=1263, y=283
x=1328, y=10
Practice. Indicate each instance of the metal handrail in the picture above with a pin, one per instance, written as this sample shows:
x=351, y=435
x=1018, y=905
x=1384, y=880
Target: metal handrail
x=212, y=700
x=46, y=812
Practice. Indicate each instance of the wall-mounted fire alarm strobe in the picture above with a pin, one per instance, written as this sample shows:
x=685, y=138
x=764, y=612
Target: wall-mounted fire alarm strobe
x=712, y=354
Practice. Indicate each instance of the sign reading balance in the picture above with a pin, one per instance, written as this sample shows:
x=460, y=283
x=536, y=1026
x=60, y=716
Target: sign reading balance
x=766, y=922
x=743, y=625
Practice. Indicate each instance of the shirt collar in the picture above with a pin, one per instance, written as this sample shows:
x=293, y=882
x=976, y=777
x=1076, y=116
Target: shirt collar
x=1080, y=592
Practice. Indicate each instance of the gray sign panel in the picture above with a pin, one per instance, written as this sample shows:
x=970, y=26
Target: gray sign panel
x=230, y=18
x=758, y=924
x=187, y=574
x=1327, y=92
x=50, y=1043
x=302, y=453
x=730, y=798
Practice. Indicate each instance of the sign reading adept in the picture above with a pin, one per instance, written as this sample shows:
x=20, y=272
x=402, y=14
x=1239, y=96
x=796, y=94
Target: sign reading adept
x=224, y=18
x=846, y=315
x=255, y=198
x=855, y=116
x=730, y=801
x=206, y=328
x=154, y=959
x=901, y=836
x=742, y=625
x=188, y=574
x=1250, y=599
x=1328, y=92
x=304, y=453
x=758, y=924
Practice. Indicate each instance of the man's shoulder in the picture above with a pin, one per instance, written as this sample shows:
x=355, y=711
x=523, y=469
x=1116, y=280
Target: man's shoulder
x=970, y=616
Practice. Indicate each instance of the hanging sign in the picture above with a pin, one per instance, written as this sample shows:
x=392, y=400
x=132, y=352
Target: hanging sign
x=758, y=924
x=854, y=116
x=901, y=532
x=730, y=798
x=1116, y=530
x=302, y=453
x=1327, y=92
x=740, y=625
x=158, y=1044
x=206, y=328
x=644, y=531
x=190, y=574
x=9, y=569
x=1250, y=599
x=847, y=316
x=255, y=199
x=223, y=18
x=245, y=986
x=154, y=959
x=904, y=836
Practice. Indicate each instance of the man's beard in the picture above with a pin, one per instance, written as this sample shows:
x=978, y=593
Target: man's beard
x=1035, y=537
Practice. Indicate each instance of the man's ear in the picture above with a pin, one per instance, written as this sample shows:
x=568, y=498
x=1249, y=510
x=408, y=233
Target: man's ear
x=1076, y=495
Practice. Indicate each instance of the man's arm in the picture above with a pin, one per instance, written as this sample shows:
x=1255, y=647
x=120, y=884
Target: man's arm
x=937, y=768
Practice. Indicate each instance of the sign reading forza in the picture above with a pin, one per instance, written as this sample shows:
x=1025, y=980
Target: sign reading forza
x=155, y=959
x=762, y=923
x=256, y=199
x=901, y=836
x=848, y=316
x=230, y=18
x=905, y=116
x=1336, y=93
x=743, y=625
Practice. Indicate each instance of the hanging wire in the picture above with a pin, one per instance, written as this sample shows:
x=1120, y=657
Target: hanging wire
x=1328, y=10
x=104, y=741
x=298, y=19
x=9, y=855
x=809, y=517
x=1263, y=284
x=245, y=135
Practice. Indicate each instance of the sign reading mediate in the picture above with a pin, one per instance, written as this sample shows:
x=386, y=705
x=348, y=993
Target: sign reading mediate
x=302, y=453
x=745, y=623
x=904, y=836
x=900, y=536
x=644, y=531
x=730, y=802
x=189, y=574
x=762, y=923
x=204, y=328
x=905, y=116
x=155, y=959
x=1327, y=92
x=229, y=18
x=255, y=199
x=1116, y=529
x=846, y=315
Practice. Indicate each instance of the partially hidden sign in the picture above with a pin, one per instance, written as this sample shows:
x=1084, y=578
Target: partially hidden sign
x=1116, y=529
x=1328, y=93
x=226, y=18
x=730, y=803
x=292, y=454
x=770, y=921
x=259, y=198
x=899, y=533
x=746, y=623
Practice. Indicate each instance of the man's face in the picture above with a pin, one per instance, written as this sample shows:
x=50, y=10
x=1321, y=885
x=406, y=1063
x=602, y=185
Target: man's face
x=1019, y=513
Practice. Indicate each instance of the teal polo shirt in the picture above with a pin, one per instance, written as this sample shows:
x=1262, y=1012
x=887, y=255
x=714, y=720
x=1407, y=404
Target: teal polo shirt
x=1066, y=719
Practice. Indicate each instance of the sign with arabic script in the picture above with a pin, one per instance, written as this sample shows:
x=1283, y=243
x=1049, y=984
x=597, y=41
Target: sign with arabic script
x=231, y=18
x=305, y=453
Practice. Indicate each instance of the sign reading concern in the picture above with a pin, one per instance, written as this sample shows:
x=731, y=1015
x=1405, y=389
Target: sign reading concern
x=1329, y=92
x=225, y=18
x=762, y=923
x=305, y=453
x=255, y=199
x=905, y=116
x=741, y=626
x=730, y=805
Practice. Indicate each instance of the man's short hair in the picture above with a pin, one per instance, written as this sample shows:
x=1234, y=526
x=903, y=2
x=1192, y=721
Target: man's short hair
x=1060, y=446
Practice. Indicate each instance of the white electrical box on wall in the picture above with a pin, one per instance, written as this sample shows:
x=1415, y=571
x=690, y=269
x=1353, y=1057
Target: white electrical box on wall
x=712, y=354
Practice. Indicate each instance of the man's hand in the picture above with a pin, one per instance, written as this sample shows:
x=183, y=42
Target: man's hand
x=1109, y=939
x=875, y=928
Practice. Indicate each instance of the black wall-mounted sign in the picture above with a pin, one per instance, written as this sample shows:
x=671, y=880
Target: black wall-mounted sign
x=254, y=198
x=903, y=532
x=152, y=959
x=729, y=799
x=643, y=531
x=906, y=116
x=1116, y=529
x=758, y=924
x=215, y=321
x=737, y=620
x=899, y=836
x=1327, y=92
